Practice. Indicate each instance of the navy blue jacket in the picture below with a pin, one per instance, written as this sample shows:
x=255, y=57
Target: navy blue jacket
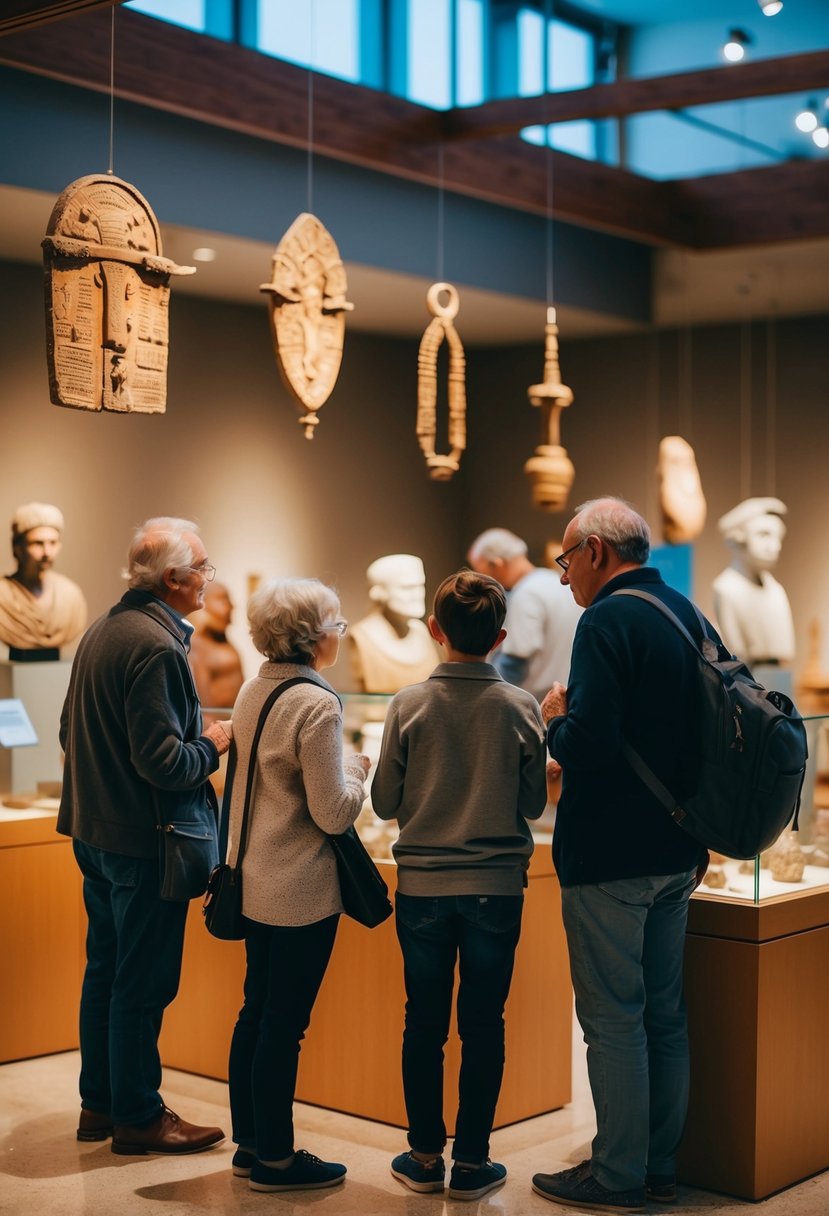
x=131, y=728
x=632, y=675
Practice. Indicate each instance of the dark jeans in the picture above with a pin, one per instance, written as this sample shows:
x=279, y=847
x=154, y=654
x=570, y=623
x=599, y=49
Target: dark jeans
x=482, y=931
x=285, y=968
x=134, y=944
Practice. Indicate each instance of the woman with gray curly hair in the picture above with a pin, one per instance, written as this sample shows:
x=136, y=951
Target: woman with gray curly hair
x=304, y=790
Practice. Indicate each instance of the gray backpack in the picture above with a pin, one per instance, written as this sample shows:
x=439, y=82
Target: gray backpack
x=752, y=756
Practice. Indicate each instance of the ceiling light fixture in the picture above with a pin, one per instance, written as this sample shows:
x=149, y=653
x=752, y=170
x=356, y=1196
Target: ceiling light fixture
x=820, y=135
x=806, y=120
x=735, y=48
x=770, y=7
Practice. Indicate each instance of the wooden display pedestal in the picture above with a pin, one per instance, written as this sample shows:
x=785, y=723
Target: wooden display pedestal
x=350, y=1058
x=757, y=985
x=42, y=936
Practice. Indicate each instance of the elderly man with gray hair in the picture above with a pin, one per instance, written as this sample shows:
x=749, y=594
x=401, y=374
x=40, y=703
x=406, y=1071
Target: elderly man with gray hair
x=136, y=757
x=541, y=615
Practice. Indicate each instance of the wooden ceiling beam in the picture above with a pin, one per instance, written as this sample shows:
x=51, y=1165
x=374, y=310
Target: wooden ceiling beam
x=176, y=70
x=24, y=14
x=738, y=81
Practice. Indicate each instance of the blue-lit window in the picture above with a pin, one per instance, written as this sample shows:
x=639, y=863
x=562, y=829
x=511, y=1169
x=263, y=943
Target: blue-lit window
x=323, y=34
x=429, y=53
x=569, y=59
x=470, y=53
x=189, y=13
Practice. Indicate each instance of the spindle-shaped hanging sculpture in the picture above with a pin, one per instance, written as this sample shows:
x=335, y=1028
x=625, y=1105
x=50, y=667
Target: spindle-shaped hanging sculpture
x=441, y=326
x=550, y=469
x=307, y=306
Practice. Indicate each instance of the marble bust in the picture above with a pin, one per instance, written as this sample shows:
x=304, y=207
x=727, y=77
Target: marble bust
x=752, y=609
x=40, y=611
x=391, y=647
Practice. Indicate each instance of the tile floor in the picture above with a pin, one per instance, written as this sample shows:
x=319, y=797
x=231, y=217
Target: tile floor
x=43, y=1170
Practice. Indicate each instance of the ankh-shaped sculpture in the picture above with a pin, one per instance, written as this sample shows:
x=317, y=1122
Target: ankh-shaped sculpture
x=550, y=469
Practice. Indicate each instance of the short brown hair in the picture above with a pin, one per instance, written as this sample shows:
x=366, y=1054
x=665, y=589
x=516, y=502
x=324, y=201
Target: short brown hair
x=470, y=609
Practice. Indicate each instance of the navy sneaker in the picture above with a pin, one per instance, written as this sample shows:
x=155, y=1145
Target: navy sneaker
x=576, y=1188
x=242, y=1163
x=468, y=1183
x=660, y=1188
x=306, y=1173
x=421, y=1176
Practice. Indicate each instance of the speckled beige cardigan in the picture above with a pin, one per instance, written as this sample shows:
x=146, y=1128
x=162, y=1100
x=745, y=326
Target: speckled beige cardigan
x=302, y=790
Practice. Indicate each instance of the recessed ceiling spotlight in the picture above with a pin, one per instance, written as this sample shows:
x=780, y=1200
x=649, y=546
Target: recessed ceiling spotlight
x=806, y=120
x=204, y=254
x=821, y=136
x=770, y=7
x=735, y=48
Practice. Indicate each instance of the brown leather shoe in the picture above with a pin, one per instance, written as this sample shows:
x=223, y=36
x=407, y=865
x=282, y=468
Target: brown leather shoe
x=166, y=1134
x=93, y=1126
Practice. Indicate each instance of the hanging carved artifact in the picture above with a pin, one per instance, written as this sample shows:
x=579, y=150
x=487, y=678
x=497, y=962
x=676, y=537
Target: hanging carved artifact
x=680, y=491
x=307, y=306
x=441, y=326
x=107, y=299
x=550, y=470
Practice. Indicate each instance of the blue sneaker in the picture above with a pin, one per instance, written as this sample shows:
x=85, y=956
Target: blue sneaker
x=578, y=1189
x=305, y=1173
x=421, y=1176
x=468, y=1183
x=242, y=1163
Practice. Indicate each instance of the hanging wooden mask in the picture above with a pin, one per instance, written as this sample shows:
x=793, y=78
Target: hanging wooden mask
x=441, y=326
x=550, y=469
x=107, y=299
x=307, y=309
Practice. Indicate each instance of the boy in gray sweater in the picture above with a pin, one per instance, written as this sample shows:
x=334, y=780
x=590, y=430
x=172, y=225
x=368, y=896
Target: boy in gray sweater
x=462, y=768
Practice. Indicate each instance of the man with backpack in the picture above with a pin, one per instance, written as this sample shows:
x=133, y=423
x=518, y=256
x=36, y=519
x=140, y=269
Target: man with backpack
x=626, y=869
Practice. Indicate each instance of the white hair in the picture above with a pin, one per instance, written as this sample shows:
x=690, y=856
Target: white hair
x=618, y=524
x=287, y=615
x=497, y=544
x=159, y=544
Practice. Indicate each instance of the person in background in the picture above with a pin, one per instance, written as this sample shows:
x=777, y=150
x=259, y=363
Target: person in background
x=131, y=729
x=462, y=769
x=305, y=790
x=541, y=616
x=626, y=869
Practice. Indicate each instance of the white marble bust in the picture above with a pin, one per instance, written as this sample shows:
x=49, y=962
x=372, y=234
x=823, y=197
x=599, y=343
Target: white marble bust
x=391, y=647
x=752, y=609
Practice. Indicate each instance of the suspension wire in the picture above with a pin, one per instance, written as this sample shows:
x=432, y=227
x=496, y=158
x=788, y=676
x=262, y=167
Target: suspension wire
x=745, y=408
x=771, y=404
x=441, y=217
x=311, y=65
x=110, y=170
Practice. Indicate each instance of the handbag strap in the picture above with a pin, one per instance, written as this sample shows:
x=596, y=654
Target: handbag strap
x=266, y=709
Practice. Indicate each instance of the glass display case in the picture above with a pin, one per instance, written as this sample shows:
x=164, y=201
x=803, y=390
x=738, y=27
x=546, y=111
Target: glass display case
x=799, y=861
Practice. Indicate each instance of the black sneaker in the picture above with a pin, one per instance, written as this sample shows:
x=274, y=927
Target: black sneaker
x=242, y=1163
x=467, y=1183
x=581, y=1190
x=305, y=1173
x=660, y=1188
x=421, y=1176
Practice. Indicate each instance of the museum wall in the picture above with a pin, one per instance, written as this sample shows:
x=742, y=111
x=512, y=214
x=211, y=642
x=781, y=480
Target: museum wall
x=230, y=452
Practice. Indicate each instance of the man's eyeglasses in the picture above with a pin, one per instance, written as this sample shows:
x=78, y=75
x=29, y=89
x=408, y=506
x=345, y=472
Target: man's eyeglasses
x=207, y=571
x=338, y=627
x=562, y=561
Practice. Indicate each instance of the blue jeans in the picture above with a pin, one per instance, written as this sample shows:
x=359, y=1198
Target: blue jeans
x=134, y=944
x=482, y=931
x=285, y=967
x=627, y=940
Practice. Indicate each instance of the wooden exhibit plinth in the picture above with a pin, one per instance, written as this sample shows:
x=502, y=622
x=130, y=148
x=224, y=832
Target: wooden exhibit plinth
x=350, y=1058
x=757, y=985
x=42, y=936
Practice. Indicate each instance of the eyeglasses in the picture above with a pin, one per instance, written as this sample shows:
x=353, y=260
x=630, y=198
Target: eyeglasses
x=207, y=571
x=338, y=627
x=562, y=561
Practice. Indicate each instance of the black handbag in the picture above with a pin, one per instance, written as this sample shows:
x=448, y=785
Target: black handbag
x=363, y=890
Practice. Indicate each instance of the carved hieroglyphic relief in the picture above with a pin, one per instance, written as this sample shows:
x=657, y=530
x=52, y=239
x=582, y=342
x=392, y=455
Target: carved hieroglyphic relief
x=107, y=299
x=550, y=469
x=441, y=326
x=307, y=306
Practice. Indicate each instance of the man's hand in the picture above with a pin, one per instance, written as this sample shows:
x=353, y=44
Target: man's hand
x=554, y=704
x=219, y=733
